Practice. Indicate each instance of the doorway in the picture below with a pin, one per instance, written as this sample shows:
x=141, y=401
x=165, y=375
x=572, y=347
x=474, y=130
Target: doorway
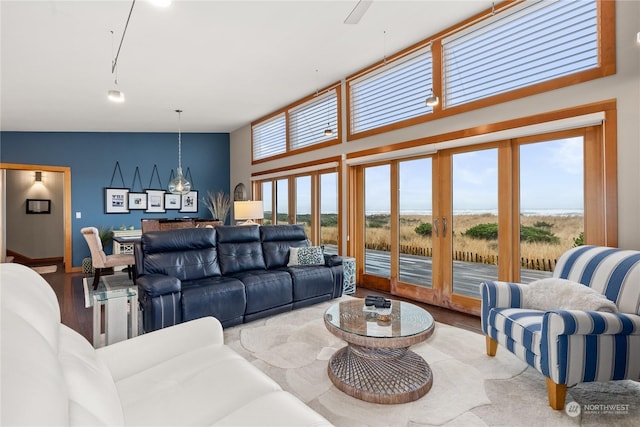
x=46, y=172
x=432, y=228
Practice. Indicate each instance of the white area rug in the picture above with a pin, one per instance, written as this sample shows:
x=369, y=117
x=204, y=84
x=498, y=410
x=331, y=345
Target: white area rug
x=469, y=387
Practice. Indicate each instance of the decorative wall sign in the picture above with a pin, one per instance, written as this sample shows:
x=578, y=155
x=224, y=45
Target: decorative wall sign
x=155, y=201
x=189, y=202
x=116, y=200
x=172, y=201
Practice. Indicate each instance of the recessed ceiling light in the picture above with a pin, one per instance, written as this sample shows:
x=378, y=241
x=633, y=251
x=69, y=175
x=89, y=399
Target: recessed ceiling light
x=160, y=3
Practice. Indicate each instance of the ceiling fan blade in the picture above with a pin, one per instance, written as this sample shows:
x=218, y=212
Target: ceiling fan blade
x=358, y=12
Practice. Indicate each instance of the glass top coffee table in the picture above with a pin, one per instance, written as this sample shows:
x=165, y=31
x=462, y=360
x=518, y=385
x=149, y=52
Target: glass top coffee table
x=377, y=365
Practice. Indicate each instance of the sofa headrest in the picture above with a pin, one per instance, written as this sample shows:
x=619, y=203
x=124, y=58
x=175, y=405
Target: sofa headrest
x=178, y=240
x=285, y=232
x=238, y=233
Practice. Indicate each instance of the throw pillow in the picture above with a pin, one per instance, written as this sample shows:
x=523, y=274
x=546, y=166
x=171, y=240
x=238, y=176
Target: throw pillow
x=311, y=255
x=561, y=294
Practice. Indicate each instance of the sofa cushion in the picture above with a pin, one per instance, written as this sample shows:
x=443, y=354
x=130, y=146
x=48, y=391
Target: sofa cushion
x=187, y=254
x=310, y=281
x=239, y=249
x=266, y=289
x=197, y=387
x=311, y=255
x=278, y=239
x=221, y=297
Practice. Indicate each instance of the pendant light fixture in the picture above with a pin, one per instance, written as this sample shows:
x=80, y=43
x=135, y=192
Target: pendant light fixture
x=179, y=184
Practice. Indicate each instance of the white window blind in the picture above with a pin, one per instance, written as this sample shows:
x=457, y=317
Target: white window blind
x=269, y=137
x=308, y=122
x=395, y=94
x=542, y=41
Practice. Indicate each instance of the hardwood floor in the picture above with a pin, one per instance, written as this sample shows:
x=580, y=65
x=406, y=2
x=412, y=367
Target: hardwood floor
x=70, y=293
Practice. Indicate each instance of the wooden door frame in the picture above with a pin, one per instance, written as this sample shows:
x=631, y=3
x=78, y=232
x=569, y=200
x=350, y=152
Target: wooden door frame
x=66, y=171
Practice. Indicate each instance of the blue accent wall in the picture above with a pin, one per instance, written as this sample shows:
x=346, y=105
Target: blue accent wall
x=92, y=157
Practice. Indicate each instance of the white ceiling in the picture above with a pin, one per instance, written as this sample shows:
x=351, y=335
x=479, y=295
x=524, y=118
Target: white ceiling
x=225, y=63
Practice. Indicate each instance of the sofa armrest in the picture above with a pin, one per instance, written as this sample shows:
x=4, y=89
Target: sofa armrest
x=497, y=294
x=580, y=322
x=134, y=355
x=332, y=260
x=159, y=284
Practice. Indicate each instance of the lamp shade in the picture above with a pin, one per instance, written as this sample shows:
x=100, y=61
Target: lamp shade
x=248, y=210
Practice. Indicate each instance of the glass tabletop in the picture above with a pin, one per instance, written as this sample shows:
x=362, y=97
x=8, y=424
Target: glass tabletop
x=102, y=295
x=404, y=319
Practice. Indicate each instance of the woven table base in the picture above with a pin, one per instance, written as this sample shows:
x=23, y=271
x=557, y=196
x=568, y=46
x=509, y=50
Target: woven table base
x=380, y=375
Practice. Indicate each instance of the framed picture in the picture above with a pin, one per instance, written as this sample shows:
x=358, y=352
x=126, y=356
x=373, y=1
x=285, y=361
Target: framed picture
x=172, y=201
x=38, y=206
x=189, y=202
x=116, y=200
x=137, y=201
x=155, y=201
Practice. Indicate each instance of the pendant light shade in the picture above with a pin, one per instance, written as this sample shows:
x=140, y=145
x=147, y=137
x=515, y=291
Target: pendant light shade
x=432, y=100
x=179, y=184
x=115, y=95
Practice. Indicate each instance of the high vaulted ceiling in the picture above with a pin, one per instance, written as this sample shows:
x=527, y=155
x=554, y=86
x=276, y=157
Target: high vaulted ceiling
x=225, y=63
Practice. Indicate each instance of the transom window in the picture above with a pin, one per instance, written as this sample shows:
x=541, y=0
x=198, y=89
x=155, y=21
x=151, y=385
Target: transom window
x=270, y=137
x=308, y=124
x=392, y=95
x=538, y=42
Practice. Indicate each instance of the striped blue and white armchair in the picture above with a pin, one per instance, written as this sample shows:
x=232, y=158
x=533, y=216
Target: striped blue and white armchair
x=572, y=346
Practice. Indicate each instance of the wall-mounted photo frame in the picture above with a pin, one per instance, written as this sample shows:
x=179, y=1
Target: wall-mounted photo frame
x=38, y=206
x=155, y=201
x=189, y=202
x=172, y=201
x=137, y=201
x=116, y=200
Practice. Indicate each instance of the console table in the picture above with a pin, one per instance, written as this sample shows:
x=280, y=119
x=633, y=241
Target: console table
x=155, y=224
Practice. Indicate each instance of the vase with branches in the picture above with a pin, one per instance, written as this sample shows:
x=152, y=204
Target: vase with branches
x=218, y=204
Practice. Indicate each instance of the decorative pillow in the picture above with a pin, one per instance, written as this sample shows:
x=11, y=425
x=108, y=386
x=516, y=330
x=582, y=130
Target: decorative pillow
x=561, y=294
x=311, y=255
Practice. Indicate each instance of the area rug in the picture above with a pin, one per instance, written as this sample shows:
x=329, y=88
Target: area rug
x=469, y=387
x=44, y=269
x=114, y=281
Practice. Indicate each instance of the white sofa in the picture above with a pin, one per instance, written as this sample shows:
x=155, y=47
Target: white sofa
x=182, y=375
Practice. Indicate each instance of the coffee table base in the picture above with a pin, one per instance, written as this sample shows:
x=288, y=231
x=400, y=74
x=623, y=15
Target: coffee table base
x=380, y=375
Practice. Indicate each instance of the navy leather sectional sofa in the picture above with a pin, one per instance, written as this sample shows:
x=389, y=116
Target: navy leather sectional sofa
x=234, y=273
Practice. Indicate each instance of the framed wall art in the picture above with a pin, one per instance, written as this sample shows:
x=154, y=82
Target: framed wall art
x=189, y=202
x=38, y=206
x=172, y=201
x=137, y=201
x=116, y=200
x=155, y=201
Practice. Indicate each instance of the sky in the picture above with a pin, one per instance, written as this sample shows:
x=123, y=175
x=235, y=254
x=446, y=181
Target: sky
x=551, y=181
